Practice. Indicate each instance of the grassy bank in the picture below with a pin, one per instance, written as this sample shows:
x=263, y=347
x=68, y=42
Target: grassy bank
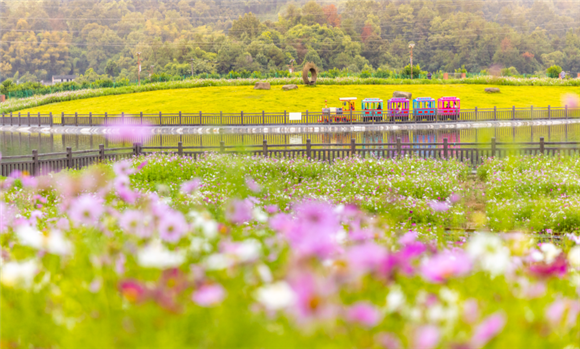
x=245, y=98
x=27, y=103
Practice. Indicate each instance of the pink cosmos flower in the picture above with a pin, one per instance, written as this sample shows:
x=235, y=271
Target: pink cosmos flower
x=271, y=209
x=439, y=206
x=123, y=168
x=426, y=337
x=388, y=341
x=86, y=209
x=253, y=186
x=131, y=133
x=454, y=198
x=487, y=330
x=172, y=226
x=122, y=186
x=571, y=100
x=190, y=186
x=136, y=223
x=312, y=295
x=367, y=257
x=408, y=238
x=209, y=295
x=364, y=313
x=239, y=211
x=446, y=265
x=555, y=312
x=7, y=214
x=470, y=311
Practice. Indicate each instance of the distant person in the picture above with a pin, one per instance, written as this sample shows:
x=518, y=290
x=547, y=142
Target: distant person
x=429, y=75
x=562, y=75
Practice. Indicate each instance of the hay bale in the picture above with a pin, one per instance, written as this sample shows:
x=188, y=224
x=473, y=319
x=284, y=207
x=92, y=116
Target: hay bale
x=400, y=94
x=492, y=90
x=262, y=86
x=289, y=87
x=311, y=68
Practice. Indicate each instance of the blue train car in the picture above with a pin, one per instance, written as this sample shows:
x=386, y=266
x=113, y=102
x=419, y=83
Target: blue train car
x=424, y=108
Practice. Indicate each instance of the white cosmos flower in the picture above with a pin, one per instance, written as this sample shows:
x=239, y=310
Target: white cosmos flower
x=489, y=252
x=550, y=252
x=208, y=226
x=155, y=255
x=199, y=245
x=395, y=299
x=53, y=243
x=18, y=274
x=259, y=215
x=218, y=261
x=574, y=256
x=265, y=273
x=278, y=295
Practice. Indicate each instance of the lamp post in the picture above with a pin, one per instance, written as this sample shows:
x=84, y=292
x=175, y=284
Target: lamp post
x=411, y=45
x=139, y=67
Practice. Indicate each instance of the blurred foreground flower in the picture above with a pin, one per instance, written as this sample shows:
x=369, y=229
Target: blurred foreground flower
x=18, y=273
x=487, y=330
x=119, y=132
x=276, y=296
x=364, y=313
x=155, y=255
x=209, y=295
x=571, y=100
x=53, y=242
x=446, y=265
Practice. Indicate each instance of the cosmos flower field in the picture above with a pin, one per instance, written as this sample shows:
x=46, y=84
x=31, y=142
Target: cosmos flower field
x=239, y=251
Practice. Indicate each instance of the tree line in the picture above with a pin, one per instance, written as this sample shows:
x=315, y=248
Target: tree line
x=224, y=37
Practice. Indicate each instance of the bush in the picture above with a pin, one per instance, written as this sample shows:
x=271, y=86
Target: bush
x=554, y=71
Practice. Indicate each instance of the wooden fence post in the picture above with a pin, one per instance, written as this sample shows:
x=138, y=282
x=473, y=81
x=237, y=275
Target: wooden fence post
x=549, y=112
x=241, y=116
x=105, y=118
x=306, y=114
x=76, y=118
x=222, y=146
x=532, y=112
x=28, y=118
x=69, y=158
x=494, y=112
x=90, y=118
x=475, y=113
x=352, y=147
x=263, y=118
x=308, y=148
x=445, y=149
x=38, y=119
x=566, y=111
x=180, y=149
x=265, y=147
x=398, y=149
x=285, y=117
x=513, y=112
x=351, y=116
x=35, y=169
x=221, y=118
x=160, y=119
x=102, y=152
x=180, y=123
x=493, y=147
x=200, y=121
x=11, y=119
x=141, y=117
x=19, y=119
x=51, y=121
x=135, y=149
x=62, y=119
x=542, y=145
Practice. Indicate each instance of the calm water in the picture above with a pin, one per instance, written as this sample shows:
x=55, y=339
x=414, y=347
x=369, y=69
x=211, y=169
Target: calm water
x=15, y=143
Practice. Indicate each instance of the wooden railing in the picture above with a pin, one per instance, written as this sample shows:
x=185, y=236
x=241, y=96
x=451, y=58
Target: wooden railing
x=281, y=118
x=471, y=153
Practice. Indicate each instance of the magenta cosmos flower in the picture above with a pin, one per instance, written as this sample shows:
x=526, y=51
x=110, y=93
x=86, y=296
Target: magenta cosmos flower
x=426, y=337
x=446, y=265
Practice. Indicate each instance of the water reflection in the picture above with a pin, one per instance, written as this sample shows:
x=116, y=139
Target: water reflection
x=16, y=143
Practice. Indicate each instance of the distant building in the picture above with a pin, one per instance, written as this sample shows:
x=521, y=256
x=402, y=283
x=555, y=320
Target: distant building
x=63, y=78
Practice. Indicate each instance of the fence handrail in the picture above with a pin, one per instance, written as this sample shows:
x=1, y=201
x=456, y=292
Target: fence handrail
x=309, y=118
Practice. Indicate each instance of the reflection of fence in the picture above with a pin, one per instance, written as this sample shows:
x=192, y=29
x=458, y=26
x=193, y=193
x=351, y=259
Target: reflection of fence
x=263, y=118
x=472, y=153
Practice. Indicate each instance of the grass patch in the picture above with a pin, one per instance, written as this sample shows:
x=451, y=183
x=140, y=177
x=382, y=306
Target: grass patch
x=245, y=98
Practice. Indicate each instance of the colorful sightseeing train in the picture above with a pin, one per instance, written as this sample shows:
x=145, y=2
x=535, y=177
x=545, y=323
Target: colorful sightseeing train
x=398, y=108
